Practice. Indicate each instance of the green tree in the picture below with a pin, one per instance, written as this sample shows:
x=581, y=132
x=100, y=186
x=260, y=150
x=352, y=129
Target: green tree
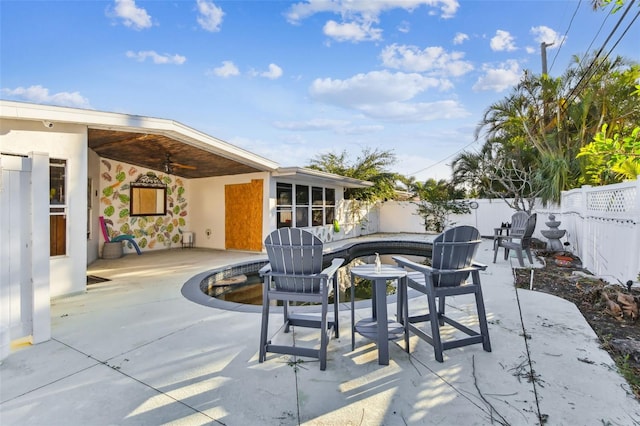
x=501, y=169
x=611, y=159
x=370, y=165
x=534, y=137
x=437, y=200
x=557, y=117
x=601, y=4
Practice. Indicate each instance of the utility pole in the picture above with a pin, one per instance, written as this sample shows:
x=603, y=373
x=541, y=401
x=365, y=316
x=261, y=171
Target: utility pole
x=543, y=52
x=545, y=96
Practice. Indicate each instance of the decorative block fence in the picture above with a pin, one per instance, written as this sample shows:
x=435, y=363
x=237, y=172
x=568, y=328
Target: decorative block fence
x=602, y=224
x=603, y=228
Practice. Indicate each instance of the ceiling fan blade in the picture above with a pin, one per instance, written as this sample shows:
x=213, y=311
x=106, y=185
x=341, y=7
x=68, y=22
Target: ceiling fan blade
x=182, y=166
x=168, y=164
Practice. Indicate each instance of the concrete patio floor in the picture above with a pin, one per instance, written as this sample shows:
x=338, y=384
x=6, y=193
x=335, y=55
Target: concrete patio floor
x=133, y=350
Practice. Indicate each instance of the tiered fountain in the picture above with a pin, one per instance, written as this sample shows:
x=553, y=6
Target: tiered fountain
x=553, y=234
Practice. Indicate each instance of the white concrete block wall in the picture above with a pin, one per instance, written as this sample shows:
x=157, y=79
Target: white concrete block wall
x=602, y=225
x=401, y=216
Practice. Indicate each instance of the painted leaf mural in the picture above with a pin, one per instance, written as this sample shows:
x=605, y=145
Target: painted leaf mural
x=149, y=231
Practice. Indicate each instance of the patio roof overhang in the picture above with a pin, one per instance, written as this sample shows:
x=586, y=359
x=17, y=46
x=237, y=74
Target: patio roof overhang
x=317, y=175
x=146, y=141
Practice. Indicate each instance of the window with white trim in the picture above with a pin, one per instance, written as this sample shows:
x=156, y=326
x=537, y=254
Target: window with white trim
x=313, y=205
x=57, y=207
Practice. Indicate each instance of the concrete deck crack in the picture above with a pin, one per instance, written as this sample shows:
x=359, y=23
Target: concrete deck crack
x=459, y=392
x=531, y=373
x=116, y=369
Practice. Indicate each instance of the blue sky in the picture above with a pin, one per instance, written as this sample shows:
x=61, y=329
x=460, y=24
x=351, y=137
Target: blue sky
x=291, y=80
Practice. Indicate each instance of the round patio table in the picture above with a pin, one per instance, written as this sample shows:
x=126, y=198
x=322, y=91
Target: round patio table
x=370, y=327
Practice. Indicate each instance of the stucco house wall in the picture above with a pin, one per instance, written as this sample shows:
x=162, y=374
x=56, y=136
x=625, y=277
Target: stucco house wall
x=94, y=239
x=208, y=212
x=97, y=186
x=68, y=142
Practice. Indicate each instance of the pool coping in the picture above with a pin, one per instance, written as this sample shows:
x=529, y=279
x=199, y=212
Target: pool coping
x=192, y=289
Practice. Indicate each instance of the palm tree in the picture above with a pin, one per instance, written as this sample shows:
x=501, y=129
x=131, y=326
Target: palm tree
x=371, y=166
x=557, y=117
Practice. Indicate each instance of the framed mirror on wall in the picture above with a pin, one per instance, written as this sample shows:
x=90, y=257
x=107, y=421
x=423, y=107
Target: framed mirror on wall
x=148, y=196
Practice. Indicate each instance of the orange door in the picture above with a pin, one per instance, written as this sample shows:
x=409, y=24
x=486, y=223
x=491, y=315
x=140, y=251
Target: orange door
x=243, y=215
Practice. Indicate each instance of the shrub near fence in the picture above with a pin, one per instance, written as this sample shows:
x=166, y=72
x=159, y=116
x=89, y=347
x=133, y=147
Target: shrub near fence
x=602, y=224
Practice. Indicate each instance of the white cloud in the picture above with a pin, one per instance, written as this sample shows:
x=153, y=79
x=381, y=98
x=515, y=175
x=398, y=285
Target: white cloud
x=41, y=95
x=422, y=167
x=156, y=57
x=502, y=41
x=274, y=72
x=460, y=38
x=373, y=87
x=351, y=31
x=360, y=130
x=132, y=15
x=415, y=112
x=210, y=16
x=434, y=59
x=311, y=125
x=498, y=79
x=341, y=127
x=359, y=16
x=297, y=149
x=546, y=35
x=384, y=95
x=366, y=9
x=228, y=69
x=404, y=27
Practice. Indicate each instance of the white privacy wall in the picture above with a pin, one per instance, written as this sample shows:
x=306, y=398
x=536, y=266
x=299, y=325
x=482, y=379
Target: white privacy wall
x=402, y=216
x=603, y=228
x=602, y=225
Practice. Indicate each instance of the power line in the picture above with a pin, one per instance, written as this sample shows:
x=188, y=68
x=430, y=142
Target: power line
x=606, y=18
x=444, y=159
x=591, y=69
x=623, y=34
x=565, y=34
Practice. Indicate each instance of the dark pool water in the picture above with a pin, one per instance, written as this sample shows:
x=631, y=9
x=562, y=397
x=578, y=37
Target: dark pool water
x=242, y=284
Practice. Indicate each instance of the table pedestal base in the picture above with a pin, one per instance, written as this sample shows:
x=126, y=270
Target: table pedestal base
x=368, y=328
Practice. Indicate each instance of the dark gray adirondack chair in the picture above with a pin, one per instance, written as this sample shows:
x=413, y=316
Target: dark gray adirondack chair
x=452, y=263
x=518, y=242
x=518, y=222
x=294, y=274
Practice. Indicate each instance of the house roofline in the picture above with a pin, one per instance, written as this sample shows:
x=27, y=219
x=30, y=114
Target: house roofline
x=304, y=172
x=134, y=123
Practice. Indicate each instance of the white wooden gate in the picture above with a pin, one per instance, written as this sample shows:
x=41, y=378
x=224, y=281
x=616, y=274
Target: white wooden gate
x=24, y=250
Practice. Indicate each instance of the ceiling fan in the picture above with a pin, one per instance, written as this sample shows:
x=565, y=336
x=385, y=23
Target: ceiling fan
x=169, y=165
